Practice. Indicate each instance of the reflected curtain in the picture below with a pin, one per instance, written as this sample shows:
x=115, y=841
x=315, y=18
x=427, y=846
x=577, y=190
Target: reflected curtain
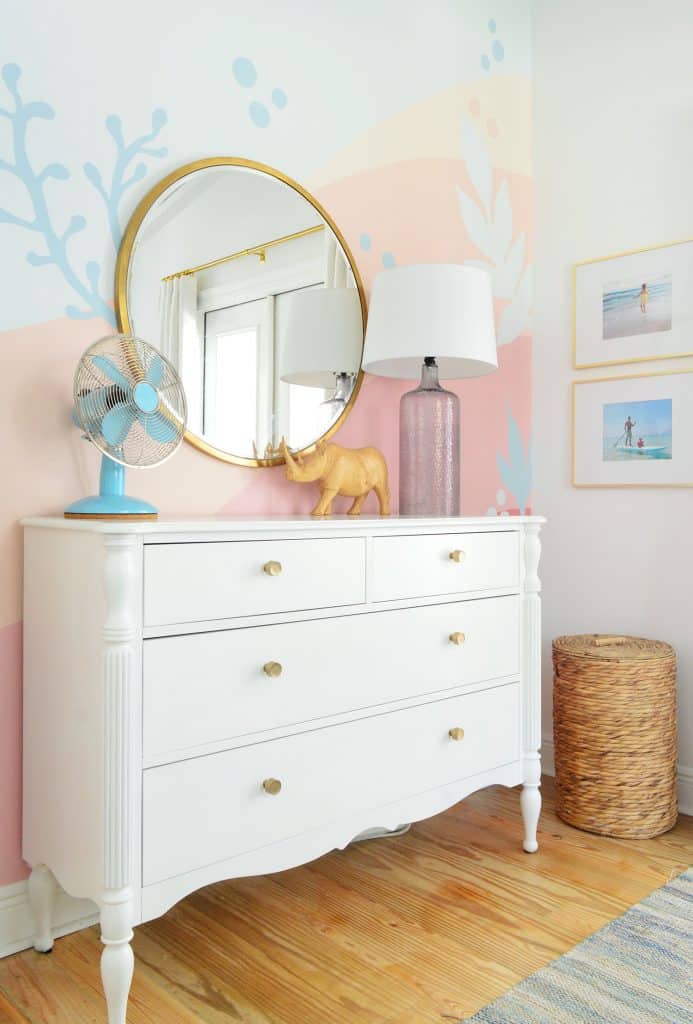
x=337, y=270
x=179, y=340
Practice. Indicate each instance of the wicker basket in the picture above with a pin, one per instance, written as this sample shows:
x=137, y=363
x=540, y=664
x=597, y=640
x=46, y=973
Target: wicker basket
x=614, y=728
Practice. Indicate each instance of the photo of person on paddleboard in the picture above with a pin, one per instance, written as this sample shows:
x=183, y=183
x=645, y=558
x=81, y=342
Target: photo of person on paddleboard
x=628, y=430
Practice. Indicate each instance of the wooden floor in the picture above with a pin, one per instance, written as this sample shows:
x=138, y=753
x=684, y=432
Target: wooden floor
x=424, y=928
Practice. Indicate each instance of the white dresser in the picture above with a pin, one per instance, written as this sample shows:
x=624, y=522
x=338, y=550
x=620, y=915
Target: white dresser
x=215, y=698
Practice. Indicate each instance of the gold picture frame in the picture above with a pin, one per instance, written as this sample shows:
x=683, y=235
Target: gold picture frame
x=125, y=253
x=625, y=360
x=609, y=380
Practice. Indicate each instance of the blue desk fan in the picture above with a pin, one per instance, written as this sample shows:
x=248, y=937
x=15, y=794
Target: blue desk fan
x=130, y=402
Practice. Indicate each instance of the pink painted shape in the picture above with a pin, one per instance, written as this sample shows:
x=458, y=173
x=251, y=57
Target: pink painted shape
x=429, y=229
x=12, y=867
x=375, y=421
x=409, y=209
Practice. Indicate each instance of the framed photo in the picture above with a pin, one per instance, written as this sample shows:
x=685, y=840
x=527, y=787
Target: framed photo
x=633, y=431
x=634, y=306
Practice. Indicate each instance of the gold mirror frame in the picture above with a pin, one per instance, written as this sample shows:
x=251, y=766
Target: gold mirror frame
x=123, y=266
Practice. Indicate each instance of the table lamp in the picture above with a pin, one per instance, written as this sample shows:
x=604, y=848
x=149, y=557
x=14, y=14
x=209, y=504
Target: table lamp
x=430, y=320
x=323, y=340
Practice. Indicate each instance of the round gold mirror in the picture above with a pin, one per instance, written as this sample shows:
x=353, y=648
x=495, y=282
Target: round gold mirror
x=241, y=278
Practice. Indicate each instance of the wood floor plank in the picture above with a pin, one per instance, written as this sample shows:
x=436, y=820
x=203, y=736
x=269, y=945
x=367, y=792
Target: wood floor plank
x=9, y=1014
x=422, y=929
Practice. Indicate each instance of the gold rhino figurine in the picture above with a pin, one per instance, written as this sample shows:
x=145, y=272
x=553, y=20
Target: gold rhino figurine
x=353, y=472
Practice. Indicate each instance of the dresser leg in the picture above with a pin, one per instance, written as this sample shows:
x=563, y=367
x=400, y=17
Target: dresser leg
x=530, y=803
x=117, y=960
x=41, y=887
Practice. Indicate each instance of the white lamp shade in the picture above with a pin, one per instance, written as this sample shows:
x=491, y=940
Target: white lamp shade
x=323, y=336
x=431, y=309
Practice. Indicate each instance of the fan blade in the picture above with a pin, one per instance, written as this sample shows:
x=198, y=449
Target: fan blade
x=155, y=372
x=111, y=371
x=116, y=424
x=88, y=407
x=159, y=427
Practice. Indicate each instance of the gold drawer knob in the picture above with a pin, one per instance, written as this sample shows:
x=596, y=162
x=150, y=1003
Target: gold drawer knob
x=457, y=556
x=457, y=638
x=272, y=568
x=272, y=669
x=272, y=786
x=456, y=733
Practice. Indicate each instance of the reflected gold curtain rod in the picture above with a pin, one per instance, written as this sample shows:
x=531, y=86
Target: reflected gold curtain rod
x=256, y=250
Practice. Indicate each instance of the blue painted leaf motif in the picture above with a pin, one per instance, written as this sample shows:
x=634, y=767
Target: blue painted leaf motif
x=37, y=260
x=502, y=222
x=93, y=274
x=514, y=319
x=478, y=164
x=507, y=276
x=137, y=174
x=115, y=129
x=93, y=175
x=116, y=424
x=57, y=171
x=79, y=314
x=516, y=470
x=11, y=73
x=42, y=110
x=9, y=218
x=77, y=223
x=125, y=155
x=474, y=222
x=56, y=239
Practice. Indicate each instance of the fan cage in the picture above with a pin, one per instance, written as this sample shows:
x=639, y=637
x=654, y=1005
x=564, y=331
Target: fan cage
x=105, y=381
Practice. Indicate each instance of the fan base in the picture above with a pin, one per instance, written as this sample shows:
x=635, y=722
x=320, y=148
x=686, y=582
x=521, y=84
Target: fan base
x=111, y=502
x=112, y=516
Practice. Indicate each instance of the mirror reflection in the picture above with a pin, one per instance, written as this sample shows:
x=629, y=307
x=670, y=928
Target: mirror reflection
x=242, y=283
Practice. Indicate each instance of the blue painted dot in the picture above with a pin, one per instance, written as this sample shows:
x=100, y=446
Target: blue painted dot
x=365, y=242
x=492, y=25
x=244, y=72
x=279, y=98
x=485, y=62
x=388, y=260
x=498, y=51
x=259, y=114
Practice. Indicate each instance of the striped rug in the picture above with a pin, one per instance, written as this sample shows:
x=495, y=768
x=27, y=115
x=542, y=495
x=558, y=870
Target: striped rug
x=636, y=970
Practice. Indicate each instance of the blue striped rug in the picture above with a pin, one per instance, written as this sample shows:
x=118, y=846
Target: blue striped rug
x=637, y=970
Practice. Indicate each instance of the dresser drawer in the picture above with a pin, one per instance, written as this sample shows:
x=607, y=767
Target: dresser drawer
x=212, y=808
x=209, y=687
x=198, y=582
x=451, y=563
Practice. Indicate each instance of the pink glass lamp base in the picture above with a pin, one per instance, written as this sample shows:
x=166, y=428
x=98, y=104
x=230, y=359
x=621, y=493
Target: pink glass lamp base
x=429, y=448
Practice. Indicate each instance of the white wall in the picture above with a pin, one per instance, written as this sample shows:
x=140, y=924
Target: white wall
x=613, y=171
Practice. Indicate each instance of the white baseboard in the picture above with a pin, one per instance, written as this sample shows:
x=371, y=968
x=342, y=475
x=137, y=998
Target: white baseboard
x=685, y=775
x=16, y=926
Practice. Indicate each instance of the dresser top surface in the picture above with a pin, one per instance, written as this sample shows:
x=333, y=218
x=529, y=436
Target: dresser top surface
x=299, y=524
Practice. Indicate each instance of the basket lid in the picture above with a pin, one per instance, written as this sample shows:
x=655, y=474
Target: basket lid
x=611, y=647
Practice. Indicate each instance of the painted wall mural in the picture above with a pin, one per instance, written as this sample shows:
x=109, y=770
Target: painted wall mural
x=416, y=137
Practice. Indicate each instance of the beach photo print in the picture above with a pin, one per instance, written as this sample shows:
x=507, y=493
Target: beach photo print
x=634, y=307
x=633, y=431
x=637, y=430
